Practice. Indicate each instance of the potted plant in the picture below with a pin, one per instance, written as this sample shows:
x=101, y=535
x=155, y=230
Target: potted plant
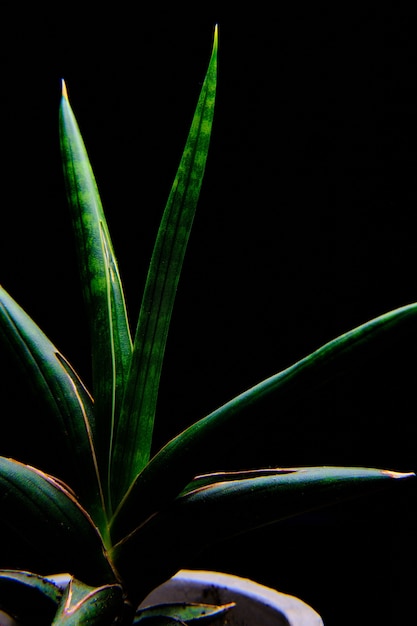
x=94, y=542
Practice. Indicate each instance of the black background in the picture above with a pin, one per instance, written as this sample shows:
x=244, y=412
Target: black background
x=305, y=229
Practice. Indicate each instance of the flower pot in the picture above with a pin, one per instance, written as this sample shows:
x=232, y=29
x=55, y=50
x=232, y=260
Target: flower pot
x=255, y=604
x=6, y=620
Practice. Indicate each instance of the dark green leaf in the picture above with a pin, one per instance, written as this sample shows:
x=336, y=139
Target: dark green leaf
x=182, y=612
x=192, y=451
x=103, y=292
x=230, y=507
x=82, y=605
x=47, y=530
x=61, y=390
x=24, y=595
x=133, y=437
x=159, y=620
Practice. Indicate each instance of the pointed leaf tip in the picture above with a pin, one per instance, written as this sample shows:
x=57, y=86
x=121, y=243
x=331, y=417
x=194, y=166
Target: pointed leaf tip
x=64, y=89
x=398, y=474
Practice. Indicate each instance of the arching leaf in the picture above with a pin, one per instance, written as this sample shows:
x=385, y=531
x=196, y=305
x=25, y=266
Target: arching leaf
x=24, y=594
x=227, y=508
x=65, y=398
x=191, y=452
x=47, y=529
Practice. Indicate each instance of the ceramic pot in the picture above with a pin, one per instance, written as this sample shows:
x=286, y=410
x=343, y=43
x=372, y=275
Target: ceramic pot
x=255, y=603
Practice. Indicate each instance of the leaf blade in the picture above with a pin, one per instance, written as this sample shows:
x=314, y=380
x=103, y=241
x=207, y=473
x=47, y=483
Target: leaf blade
x=100, y=280
x=25, y=594
x=46, y=526
x=187, y=613
x=133, y=438
x=63, y=394
x=83, y=604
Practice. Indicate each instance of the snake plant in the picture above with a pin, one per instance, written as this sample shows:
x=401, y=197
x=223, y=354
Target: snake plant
x=128, y=518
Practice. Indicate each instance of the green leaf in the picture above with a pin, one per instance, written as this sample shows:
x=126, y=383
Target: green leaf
x=47, y=529
x=65, y=398
x=132, y=443
x=24, y=594
x=101, y=283
x=89, y=606
x=192, y=451
x=160, y=620
x=182, y=612
x=223, y=509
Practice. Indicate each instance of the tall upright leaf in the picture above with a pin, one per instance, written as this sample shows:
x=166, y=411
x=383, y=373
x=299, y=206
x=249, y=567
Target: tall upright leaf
x=100, y=279
x=132, y=442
